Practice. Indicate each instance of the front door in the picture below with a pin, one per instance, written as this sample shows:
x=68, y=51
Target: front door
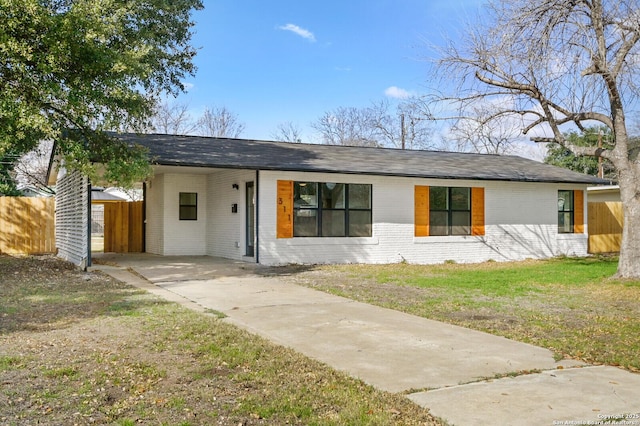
x=250, y=221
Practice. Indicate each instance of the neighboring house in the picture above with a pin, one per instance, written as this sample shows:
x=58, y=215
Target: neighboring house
x=603, y=194
x=134, y=194
x=279, y=203
x=32, y=191
x=100, y=195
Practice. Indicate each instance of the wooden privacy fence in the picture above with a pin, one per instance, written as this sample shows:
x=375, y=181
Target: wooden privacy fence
x=123, y=232
x=27, y=225
x=605, y=227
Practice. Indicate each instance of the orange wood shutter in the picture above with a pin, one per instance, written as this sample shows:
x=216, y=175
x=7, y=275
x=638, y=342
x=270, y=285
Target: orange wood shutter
x=284, y=215
x=477, y=211
x=578, y=212
x=421, y=211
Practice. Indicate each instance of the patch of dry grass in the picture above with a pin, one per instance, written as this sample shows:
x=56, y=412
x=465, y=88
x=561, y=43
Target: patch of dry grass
x=79, y=348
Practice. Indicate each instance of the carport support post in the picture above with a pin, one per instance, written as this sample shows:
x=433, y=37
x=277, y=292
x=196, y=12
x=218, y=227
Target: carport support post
x=144, y=216
x=256, y=195
x=88, y=262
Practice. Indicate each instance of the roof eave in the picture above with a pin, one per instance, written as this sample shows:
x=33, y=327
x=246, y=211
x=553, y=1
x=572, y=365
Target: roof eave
x=181, y=164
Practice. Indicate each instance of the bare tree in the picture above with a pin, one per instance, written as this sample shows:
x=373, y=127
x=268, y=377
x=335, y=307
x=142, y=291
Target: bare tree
x=287, y=132
x=347, y=126
x=484, y=133
x=384, y=126
x=220, y=122
x=173, y=119
x=562, y=63
x=378, y=125
x=415, y=124
x=33, y=167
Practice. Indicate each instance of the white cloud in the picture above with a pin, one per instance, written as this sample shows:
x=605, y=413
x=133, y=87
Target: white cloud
x=299, y=31
x=397, y=93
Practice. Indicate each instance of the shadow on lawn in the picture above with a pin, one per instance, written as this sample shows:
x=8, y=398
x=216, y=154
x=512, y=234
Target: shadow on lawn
x=40, y=294
x=285, y=270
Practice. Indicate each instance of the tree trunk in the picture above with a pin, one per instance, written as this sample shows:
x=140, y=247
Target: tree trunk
x=629, y=264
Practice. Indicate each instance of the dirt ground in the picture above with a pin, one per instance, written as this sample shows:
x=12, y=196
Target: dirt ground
x=81, y=348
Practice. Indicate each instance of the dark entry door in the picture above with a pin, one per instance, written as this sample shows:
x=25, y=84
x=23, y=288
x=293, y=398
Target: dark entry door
x=250, y=219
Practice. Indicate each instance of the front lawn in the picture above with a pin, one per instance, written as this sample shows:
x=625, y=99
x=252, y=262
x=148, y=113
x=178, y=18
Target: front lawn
x=568, y=305
x=82, y=348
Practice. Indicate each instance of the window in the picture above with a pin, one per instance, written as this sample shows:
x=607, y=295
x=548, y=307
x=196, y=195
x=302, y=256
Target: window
x=449, y=211
x=305, y=205
x=331, y=209
x=188, y=206
x=565, y=212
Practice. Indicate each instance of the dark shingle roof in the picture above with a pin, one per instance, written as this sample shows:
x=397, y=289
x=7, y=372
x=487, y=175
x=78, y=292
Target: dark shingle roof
x=196, y=151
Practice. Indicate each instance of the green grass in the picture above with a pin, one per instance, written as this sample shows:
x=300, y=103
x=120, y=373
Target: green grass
x=57, y=373
x=501, y=279
x=9, y=363
x=569, y=305
x=215, y=313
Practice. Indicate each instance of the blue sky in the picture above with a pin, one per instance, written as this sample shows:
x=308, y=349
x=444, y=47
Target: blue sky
x=292, y=61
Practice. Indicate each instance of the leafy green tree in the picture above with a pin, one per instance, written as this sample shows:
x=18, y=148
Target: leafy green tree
x=8, y=186
x=71, y=69
x=558, y=155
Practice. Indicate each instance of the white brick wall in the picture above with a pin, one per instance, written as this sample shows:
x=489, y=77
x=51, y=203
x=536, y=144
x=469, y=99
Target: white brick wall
x=154, y=225
x=217, y=232
x=520, y=218
x=184, y=237
x=226, y=233
x=166, y=234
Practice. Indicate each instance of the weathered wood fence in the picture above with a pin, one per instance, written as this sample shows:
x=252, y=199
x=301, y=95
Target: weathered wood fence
x=27, y=225
x=605, y=227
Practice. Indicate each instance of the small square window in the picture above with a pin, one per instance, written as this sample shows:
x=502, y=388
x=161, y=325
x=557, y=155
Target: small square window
x=439, y=198
x=188, y=206
x=360, y=196
x=305, y=195
x=360, y=223
x=333, y=195
x=305, y=223
x=333, y=223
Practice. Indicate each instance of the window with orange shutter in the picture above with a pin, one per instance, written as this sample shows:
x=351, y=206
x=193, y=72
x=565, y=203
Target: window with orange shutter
x=442, y=210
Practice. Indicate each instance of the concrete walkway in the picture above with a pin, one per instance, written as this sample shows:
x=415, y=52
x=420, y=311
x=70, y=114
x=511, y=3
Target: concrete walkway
x=450, y=370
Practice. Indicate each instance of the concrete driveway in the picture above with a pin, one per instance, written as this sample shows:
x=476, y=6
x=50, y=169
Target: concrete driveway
x=452, y=371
